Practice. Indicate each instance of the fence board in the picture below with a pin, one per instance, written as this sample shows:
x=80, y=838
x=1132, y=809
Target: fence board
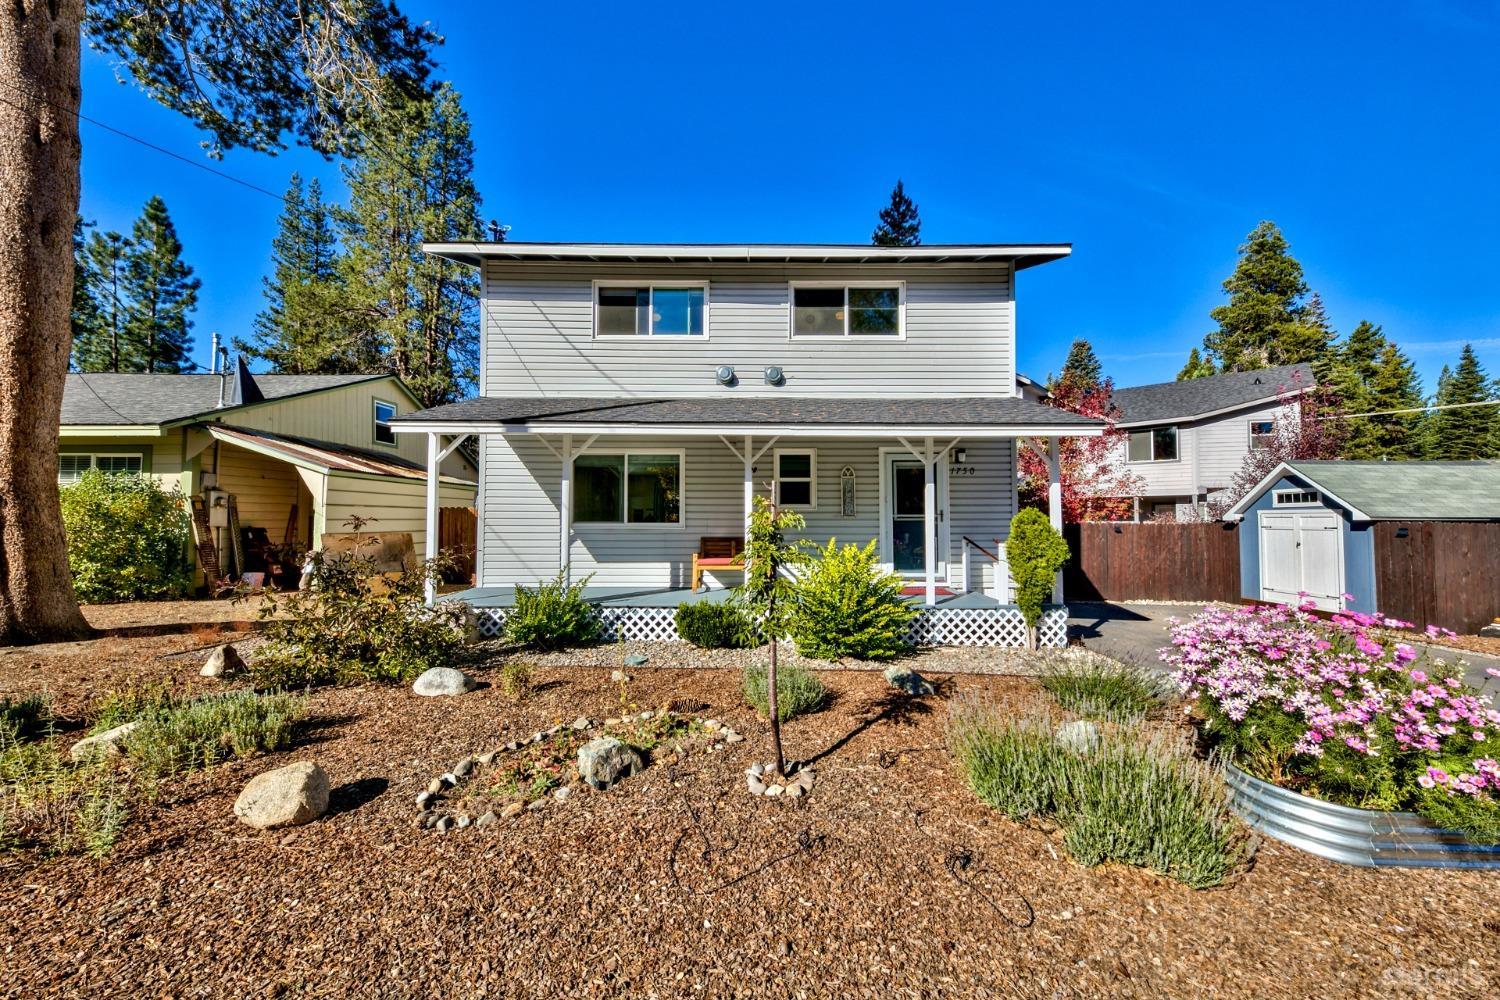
x=1440, y=573
x=457, y=533
x=1122, y=561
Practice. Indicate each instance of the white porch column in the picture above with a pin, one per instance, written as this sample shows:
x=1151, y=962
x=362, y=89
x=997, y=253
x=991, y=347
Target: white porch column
x=430, y=548
x=929, y=518
x=1054, y=504
x=565, y=512
x=749, y=486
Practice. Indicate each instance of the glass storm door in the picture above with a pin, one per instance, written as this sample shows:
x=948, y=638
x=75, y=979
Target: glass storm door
x=908, y=521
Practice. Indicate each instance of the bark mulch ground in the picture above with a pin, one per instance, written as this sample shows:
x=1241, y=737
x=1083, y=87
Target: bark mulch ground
x=890, y=880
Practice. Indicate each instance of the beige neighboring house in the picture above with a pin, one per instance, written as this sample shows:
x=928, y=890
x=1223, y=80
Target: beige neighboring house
x=300, y=454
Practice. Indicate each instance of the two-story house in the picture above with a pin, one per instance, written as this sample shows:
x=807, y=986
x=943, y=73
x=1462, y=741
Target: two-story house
x=634, y=399
x=1186, y=440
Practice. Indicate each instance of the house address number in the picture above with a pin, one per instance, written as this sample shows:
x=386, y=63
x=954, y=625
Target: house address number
x=962, y=470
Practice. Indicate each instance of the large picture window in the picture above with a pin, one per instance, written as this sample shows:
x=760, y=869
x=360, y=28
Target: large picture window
x=847, y=311
x=628, y=488
x=649, y=310
x=1155, y=444
x=796, y=479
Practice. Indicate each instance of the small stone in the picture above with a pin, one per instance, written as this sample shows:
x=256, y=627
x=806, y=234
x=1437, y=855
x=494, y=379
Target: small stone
x=224, y=661
x=108, y=742
x=712, y=725
x=786, y=948
x=464, y=821
x=436, y=786
x=805, y=779
x=537, y=737
x=486, y=759
x=646, y=716
x=562, y=794
x=553, y=731
x=511, y=809
x=757, y=769
x=734, y=737
x=635, y=660
x=580, y=723
x=908, y=680
x=619, y=676
x=445, y=824
x=430, y=820
x=1491, y=631
x=1079, y=736
x=424, y=800
x=795, y=791
x=287, y=796
x=604, y=761
x=774, y=790
x=485, y=820
x=449, y=778
x=464, y=767
x=537, y=805
x=612, y=721
x=513, y=746
x=756, y=786
x=442, y=682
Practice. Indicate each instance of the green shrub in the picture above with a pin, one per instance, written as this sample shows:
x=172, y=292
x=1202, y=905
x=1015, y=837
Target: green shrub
x=127, y=704
x=1097, y=687
x=798, y=691
x=848, y=606
x=193, y=734
x=515, y=680
x=25, y=718
x=552, y=616
x=355, y=624
x=1035, y=552
x=127, y=538
x=715, y=626
x=1144, y=803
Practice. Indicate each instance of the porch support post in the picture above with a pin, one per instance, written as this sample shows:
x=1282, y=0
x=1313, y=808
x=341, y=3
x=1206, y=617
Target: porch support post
x=749, y=457
x=1054, y=504
x=430, y=547
x=929, y=518
x=565, y=512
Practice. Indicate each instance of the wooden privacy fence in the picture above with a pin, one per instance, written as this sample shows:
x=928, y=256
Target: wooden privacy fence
x=458, y=533
x=1122, y=561
x=1439, y=572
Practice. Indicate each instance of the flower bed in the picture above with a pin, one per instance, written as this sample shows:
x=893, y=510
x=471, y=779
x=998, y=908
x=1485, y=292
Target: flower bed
x=1331, y=711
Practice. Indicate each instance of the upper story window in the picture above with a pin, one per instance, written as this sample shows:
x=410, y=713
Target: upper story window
x=384, y=413
x=71, y=466
x=1262, y=434
x=821, y=310
x=1154, y=444
x=645, y=310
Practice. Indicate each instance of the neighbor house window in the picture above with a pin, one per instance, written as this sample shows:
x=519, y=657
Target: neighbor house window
x=649, y=310
x=796, y=479
x=627, y=488
x=1155, y=444
x=1262, y=434
x=384, y=412
x=847, y=311
x=1295, y=498
x=71, y=467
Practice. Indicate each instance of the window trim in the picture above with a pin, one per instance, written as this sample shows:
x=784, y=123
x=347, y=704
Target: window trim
x=791, y=311
x=375, y=404
x=1250, y=430
x=1314, y=498
x=625, y=453
x=653, y=284
x=1153, y=460
x=811, y=478
x=94, y=456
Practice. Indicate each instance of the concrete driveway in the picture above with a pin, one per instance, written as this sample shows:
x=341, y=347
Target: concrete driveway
x=1137, y=632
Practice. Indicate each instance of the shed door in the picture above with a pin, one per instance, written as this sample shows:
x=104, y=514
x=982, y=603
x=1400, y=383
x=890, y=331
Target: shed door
x=1301, y=552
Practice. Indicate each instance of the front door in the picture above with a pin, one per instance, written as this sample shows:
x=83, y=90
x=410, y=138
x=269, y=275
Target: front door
x=1300, y=553
x=904, y=533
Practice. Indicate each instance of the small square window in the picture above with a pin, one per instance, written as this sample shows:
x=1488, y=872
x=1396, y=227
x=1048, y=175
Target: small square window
x=1156, y=444
x=384, y=413
x=70, y=468
x=796, y=478
x=1262, y=434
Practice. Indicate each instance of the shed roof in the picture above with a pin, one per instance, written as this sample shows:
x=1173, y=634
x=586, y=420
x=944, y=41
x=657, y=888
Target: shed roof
x=1398, y=491
x=122, y=399
x=1201, y=396
x=1021, y=254
x=324, y=456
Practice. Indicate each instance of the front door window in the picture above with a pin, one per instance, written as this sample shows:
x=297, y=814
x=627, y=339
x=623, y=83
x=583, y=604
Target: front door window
x=908, y=521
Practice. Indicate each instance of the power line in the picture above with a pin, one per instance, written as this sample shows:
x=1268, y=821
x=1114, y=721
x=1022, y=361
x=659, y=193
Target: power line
x=1415, y=409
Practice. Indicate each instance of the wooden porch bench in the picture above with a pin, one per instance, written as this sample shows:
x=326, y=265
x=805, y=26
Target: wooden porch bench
x=718, y=552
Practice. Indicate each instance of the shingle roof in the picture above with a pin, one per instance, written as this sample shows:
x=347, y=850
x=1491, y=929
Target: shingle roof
x=1410, y=491
x=993, y=411
x=326, y=454
x=110, y=398
x=1195, y=397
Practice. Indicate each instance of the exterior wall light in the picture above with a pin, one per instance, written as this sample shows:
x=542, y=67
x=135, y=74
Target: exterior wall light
x=960, y=456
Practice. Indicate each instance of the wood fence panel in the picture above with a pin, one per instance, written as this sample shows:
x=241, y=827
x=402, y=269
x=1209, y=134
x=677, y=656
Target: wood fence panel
x=1439, y=572
x=1121, y=561
x=458, y=532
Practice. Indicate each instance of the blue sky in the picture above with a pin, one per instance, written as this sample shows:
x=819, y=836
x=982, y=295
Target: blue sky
x=1152, y=137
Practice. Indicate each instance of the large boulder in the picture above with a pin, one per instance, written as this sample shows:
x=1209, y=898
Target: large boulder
x=287, y=796
x=108, y=742
x=908, y=680
x=225, y=661
x=443, y=682
x=606, y=760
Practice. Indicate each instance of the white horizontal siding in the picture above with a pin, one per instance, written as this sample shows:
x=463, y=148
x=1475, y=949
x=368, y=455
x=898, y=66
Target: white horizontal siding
x=1221, y=444
x=538, y=323
x=389, y=504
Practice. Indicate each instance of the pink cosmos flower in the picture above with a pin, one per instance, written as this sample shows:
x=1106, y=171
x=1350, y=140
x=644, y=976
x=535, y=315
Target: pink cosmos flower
x=1419, y=677
x=1425, y=781
x=1405, y=653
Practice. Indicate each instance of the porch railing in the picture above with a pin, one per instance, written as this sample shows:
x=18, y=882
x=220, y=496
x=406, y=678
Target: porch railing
x=1000, y=589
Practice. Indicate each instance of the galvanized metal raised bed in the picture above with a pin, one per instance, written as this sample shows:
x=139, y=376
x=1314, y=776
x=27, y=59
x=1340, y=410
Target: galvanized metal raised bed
x=1354, y=836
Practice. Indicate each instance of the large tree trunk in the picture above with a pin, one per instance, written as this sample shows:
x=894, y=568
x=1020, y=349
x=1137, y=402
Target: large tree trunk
x=39, y=154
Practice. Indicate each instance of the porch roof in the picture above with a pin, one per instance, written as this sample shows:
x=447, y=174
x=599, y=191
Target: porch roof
x=978, y=416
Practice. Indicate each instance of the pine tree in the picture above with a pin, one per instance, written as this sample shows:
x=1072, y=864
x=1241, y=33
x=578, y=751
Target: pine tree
x=1197, y=367
x=413, y=183
x=1266, y=322
x=1082, y=369
x=103, y=342
x=1463, y=433
x=163, y=292
x=1349, y=370
x=900, y=223
x=88, y=321
x=304, y=328
x=1395, y=385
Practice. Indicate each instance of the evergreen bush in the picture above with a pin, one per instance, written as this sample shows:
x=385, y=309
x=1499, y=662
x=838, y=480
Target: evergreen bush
x=848, y=606
x=1035, y=552
x=553, y=616
x=714, y=626
x=127, y=538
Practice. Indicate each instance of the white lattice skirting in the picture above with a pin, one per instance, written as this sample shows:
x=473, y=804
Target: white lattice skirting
x=931, y=627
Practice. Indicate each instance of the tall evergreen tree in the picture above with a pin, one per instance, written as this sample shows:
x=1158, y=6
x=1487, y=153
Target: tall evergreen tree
x=163, y=292
x=102, y=342
x=1197, y=367
x=87, y=319
x=1082, y=368
x=900, y=223
x=1266, y=321
x=1461, y=433
x=1396, y=386
x=413, y=183
x=304, y=328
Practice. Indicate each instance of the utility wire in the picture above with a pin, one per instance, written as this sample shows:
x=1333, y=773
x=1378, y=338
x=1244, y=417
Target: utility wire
x=1415, y=409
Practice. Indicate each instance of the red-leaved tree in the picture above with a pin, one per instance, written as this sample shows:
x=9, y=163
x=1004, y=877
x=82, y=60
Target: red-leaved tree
x=1310, y=425
x=1096, y=485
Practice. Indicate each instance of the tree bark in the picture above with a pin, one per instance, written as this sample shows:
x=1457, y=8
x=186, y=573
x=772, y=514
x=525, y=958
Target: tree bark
x=39, y=156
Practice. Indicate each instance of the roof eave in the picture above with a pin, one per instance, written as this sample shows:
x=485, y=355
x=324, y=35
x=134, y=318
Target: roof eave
x=732, y=428
x=1022, y=255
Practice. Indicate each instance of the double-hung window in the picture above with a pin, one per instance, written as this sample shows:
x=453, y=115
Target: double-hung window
x=796, y=479
x=848, y=310
x=71, y=466
x=1154, y=444
x=1262, y=434
x=384, y=413
x=634, y=487
x=646, y=310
